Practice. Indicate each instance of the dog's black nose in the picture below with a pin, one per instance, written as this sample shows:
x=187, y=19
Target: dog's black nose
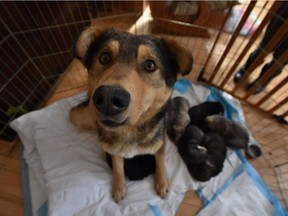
x=111, y=100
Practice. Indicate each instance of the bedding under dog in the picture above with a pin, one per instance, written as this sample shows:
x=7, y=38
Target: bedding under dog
x=68, y=173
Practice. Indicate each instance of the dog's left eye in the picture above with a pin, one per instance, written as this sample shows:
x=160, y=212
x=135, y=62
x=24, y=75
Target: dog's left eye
x=105, y=58
x=150, y=66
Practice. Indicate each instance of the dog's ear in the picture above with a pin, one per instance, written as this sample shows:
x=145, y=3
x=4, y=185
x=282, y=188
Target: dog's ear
x=183, y=56
x=85, y=40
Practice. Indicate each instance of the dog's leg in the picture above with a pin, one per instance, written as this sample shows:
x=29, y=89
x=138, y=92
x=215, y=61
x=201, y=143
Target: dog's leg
x=161, y=180
x=81, y=118
x=119, y=187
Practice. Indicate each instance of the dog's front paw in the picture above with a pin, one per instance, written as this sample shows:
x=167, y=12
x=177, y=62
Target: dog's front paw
x=161, y=186
x=118, y=193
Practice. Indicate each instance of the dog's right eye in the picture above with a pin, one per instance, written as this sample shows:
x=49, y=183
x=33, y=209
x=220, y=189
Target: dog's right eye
x=105, y=58
x=150, y=66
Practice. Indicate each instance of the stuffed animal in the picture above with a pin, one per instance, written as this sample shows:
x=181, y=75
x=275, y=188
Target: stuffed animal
x=190, y=145
x=234, y=134
x=213, y=165
x=203, y=143
x=198, y=113
x=178, y=118
x=203, y=154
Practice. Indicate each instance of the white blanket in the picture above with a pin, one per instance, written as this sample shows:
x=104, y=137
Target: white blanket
x=71, y=172
x=76, y=176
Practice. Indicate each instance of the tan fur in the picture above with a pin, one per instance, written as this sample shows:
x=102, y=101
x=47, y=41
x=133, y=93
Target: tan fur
x=81, y=117
x=119, y=188
x=161, y=180
x=118, y=146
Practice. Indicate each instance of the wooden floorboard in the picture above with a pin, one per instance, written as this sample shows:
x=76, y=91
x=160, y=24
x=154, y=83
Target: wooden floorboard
x=10, y=208
x=11, y=197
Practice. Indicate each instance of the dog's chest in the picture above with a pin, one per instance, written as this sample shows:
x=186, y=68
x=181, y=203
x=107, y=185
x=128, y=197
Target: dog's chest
x=130, y=144
x=129, y=151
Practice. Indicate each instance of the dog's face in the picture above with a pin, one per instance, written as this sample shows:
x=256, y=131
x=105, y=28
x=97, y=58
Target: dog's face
x=130, y=77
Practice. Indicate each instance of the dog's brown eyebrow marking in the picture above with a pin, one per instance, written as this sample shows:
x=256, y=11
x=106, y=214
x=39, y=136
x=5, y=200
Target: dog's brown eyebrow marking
x=112, y=46
x=99, y=45
x=146, y=51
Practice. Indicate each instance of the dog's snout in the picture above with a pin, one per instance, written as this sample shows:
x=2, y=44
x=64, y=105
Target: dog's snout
x=111, y=100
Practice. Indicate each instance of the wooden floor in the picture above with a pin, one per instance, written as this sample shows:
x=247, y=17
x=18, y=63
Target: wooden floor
x=273, y=165
x=11, y=198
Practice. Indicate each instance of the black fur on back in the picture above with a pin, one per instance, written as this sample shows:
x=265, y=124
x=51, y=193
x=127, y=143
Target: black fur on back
x=138, y=167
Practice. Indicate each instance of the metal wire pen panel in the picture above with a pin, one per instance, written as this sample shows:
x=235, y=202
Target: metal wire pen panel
x=226, y=38
x=37, y=46
x=219, y=68
x=36, y=43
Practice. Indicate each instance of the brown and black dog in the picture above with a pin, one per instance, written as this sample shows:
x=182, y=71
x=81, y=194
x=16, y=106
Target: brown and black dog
x=130, y=83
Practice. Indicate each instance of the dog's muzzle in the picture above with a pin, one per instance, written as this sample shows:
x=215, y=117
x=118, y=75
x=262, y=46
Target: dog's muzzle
x=111, y=101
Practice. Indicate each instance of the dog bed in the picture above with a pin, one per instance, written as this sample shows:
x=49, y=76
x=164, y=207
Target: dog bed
x=68, y=174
